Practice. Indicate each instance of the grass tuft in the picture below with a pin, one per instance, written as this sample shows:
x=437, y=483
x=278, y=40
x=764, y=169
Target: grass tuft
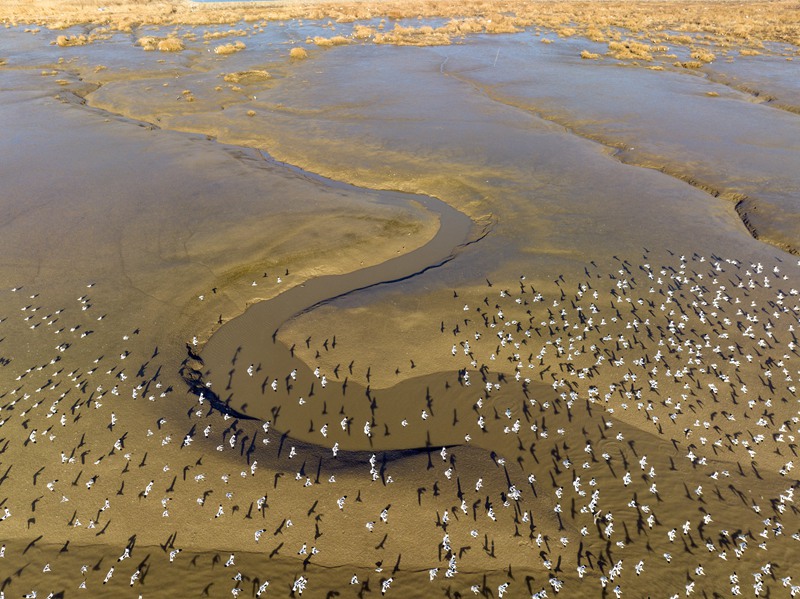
x=629, y=50
x=162, y=44
x=703, y=56
x=337, y=40
x=691, y=64
x=72, y=40
x=170, y=44
x=231, y=48
x=246, y=77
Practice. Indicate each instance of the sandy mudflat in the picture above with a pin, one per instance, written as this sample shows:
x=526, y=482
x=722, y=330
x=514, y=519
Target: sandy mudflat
x=413, y=300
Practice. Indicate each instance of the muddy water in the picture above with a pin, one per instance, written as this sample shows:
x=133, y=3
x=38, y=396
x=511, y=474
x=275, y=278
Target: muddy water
x=711, y=136
x=156, y=219
x=159, y=241
x=549, y=145
x=235, y=354
x=410, y=115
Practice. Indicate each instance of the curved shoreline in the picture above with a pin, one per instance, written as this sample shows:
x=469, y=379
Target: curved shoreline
x=251, y=337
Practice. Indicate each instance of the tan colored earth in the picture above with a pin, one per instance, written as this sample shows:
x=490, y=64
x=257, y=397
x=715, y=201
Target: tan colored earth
x=464, y=299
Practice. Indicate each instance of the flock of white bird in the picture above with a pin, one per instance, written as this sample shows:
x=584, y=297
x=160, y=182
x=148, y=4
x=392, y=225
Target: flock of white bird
x=634, y=434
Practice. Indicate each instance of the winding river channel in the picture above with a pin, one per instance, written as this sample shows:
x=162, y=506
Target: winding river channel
x=254, y=374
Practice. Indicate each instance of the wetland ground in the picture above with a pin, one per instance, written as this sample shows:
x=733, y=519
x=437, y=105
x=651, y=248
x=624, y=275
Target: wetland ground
x=454, y=302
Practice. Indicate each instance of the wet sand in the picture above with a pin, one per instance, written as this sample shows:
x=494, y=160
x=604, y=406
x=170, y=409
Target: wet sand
x=566, y=365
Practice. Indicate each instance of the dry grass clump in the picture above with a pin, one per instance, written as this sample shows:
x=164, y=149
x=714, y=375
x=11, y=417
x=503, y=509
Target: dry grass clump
x=337, y=40
x=703, y=56
x=749, y=52
x=462, y=27
x=72, y=40
x=170, y=44
x=413, y=36
x=718, y=22
x=231, y=48
x=498, y=23
x=215, y=35
x=362, y=32
x=594, y=34
x=544, y=40
x=298, y=53
x=683, y=40
x=246, y=77
x=589, y=55
x=162, y=44
x=629, y=50
x=690, y=64
x=148, y=42
x=493, y=23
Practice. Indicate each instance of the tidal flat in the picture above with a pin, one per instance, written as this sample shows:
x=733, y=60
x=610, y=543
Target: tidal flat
x=306, y=299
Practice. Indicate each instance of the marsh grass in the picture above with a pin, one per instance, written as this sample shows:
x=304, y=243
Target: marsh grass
x=215, y=35
x=170, y=44
x=298, y=53
x=65, y=41
x=231, y=48
x=593, y=34
x=629, y=50
x=689, y=64
x=337, y=40
x=589, y=55
x=723, y=23
x=151, y=43
x=245, y=77
x=363, y=32
x=413, y=36
x=703, y=56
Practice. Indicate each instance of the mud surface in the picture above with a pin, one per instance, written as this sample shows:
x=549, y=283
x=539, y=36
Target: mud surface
x=484, y=318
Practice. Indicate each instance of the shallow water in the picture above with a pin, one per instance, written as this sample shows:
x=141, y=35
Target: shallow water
x=250, y=339
x=398, y=113
x=177, y=232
